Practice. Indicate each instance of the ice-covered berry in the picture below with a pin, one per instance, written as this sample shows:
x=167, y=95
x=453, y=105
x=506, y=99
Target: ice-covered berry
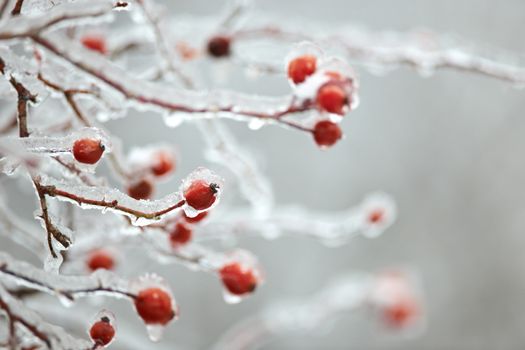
x=88, y=151
x=401, y=313
x=219, y=46
x=95, y=43
x=163, y=164
x=237, y=279
x=301, y=68
x=326, y=133
x=102, y=332
x=180, y=235
x=100, y=259
x=142, y=189
x=201, y=195
x=332, y=98
x=154, y=306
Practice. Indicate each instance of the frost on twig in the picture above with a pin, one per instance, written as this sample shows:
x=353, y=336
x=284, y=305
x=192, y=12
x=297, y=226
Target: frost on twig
x=371, y=218
x=389, y=293
x=30, y=329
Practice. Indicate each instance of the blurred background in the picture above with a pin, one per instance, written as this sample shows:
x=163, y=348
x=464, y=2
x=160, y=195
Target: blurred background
x=447, y=147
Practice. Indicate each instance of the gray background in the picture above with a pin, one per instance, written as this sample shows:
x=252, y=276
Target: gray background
x=447, y=147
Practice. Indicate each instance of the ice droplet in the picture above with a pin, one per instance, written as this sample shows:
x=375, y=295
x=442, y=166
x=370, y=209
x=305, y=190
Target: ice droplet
x=230, y=298
x=256, y=124
x=173, y=120
x=155, y=332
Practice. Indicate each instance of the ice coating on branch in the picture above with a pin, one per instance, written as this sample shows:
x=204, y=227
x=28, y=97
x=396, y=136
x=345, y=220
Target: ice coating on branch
x=52, y=336
x=46, y=17
x=142, y=212
x=59, y=144
x=224, y=149
x=66, y=288
x=333, y=229
x=343, y=295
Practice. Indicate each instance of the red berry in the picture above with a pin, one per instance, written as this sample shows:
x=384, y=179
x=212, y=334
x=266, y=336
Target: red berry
x=332, y=98
x=100, y=259
x=376, y=216
x=197, y=218
x=401, y=313
x=164, y=163
x=327, y=133
x=301, y=67
x=180, y=235
x=88, y=151
x=237, y=280
x=154, y=306
x=102, y=332
x=141, y=190
x=201, y=195
x=95, y=43
x=219, y=46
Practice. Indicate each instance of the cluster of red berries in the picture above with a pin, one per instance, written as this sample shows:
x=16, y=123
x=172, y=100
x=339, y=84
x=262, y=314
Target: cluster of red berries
x=200, y=195
x=163, y=164
x=238, y=279
x=88, y=151
x=155, y=306
x=102, y=331
x=332, y=97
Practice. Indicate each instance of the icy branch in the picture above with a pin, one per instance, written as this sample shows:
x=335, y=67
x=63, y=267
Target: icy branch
x=51, y=336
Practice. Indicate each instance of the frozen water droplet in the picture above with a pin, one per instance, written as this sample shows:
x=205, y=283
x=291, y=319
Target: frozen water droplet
x=173, y=120
x=230, y=298
x=155, y=332
x=256, y=124
x=190, y=211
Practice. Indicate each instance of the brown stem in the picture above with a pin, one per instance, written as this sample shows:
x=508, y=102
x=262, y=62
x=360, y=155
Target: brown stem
x=52, y=231
x=17, y=8
x=24, y=97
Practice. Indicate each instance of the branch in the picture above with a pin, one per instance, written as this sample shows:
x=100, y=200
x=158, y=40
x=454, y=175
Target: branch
x=67, y=288
x=24, y=97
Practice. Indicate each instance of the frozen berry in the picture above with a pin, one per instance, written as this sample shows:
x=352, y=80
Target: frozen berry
x=95, y=43
x=154, y=306
x=219, y=46
x=237, y=280
x=332, y=98
x=197, y=218
x=88, y=151
x=301, y=67
x=141, y=190
x=401, y=313
x=100, y=259
x=180, y=235
x=102, y=332
x=201, y=195
x=326, y=133
x=163, y=164
x=376, y=216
